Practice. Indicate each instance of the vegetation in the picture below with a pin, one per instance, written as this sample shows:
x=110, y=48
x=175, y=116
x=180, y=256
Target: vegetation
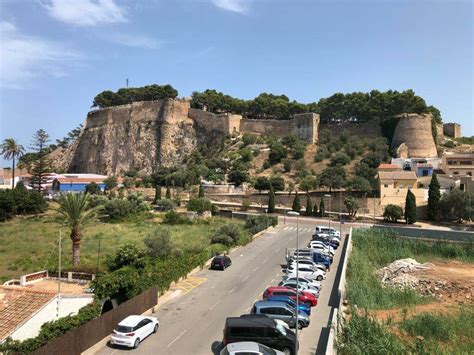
x=322, y=209
x=11, y=150
x=118, y=209
x=392, y=213
x=20, y=201
x=296, y=203
x=309, y=205
x=158, y=244
x=271, y=200
x=352, y=206
x=228, y=235
x=455, y=206
x=41, y=164
x=199, y=205
x=434, y=196
x=465, y=140
x=93, y=189
x=410, y=208
x=128, y=95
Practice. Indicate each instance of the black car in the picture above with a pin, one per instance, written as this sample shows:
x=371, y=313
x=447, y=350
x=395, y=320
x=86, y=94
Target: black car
x=221, y=262
x=260, y=329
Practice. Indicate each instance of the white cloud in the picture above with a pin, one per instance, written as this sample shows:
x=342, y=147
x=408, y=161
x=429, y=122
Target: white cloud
x=138, y=41
x=240, y=6
x=86, y=12
x=23, y=57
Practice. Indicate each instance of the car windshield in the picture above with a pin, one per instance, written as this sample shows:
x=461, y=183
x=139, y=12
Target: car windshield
x=265, y=350
x=281, y=329
x=123, y=329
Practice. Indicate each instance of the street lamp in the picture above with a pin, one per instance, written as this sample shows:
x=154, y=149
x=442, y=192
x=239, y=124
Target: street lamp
x=294, y=213
x=329, y=216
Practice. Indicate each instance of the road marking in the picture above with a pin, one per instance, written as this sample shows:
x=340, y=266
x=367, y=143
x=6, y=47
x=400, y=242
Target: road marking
x=286, y=228
x=264, y=261
x=184, y=331
x=277, y=274
x=248, y=309
x=276, y=251
x=256, y=268
x=232, y=290
x=245, y=278
x=215, y=304
x=113, y=352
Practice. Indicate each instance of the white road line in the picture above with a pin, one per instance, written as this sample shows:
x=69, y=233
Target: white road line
x=286, y=228
x=256, y=268
x=184, y=331
x=247, y=310
x=215, y=304
x=277, y=274
x=264, y=261
x=232, y=290
x=276, y=251
x=245, y=278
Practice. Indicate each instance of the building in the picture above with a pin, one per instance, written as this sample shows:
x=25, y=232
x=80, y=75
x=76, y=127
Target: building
x=77, y=182
x=446, y=183
x=6, y=177
x=411, y=164
x=394, y=186
x=423, y=169
x=452, y=130
x=458, y=163
x=389, y=167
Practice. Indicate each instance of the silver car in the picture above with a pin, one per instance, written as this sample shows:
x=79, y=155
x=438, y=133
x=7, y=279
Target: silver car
x=248, y=347
x=282, y=311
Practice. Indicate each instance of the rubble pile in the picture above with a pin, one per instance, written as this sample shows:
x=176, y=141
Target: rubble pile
x=400, y=273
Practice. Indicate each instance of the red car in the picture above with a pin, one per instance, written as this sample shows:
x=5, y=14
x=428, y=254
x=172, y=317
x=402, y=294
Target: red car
x=303, y=296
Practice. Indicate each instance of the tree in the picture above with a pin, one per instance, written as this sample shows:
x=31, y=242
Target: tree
x=11, y=150
x=322, y=210
x=201, y=191
x=41, y=164
x=157, y=193
x=75, y=212
x=456, y=205
x=410, y=208
x=392, y=213
x=277, y=152
x=238, y=175
x=158, y=243
x=168, y=193
x=110, y=182
x=434, y=196
x=261, y=183
x=308, y=183
x=296, y=203
x=271, y=200
x=333, y=177
x=359, y=183
x=309, y=205
x=287, y=163
x=340, y=158
x=199, y=205
x=352, y=205
x=277, y=182
x=93, y=188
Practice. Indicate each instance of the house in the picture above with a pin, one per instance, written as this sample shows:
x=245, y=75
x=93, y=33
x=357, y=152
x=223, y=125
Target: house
x=411, y=164
x=389, y=167
x=6, y=177
x=77, y=182
x=423, y=169
x=394, y=186
x=446, y=183
x=458, y=163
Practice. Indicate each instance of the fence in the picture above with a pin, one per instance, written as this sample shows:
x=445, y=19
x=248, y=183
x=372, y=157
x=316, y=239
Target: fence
x=82, y=338
x=435, y=234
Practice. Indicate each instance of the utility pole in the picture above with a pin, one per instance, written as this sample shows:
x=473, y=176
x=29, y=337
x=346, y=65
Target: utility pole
x=98, y=258
x=127, y=83
x=59, y=274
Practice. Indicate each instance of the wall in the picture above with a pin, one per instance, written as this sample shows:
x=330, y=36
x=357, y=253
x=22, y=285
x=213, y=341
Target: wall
x=305, y=126
x=68, y=305
x=364, y=130
x=397, y=195
x=452, y=130
x=267, y=127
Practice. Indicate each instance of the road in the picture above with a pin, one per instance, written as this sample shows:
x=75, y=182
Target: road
x=193, y=322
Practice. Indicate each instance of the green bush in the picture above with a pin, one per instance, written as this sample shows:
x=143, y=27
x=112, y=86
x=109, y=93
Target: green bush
x=260, y=220
x=287, y=163
x=340, y=159
x=277, y=153
x=166, y=204
x=199, y=205
x=392, y=213
x=158, y=244
x=127, y=255
x=174, y=218
x=20, y=201
x=228, y=234
x=266, y=165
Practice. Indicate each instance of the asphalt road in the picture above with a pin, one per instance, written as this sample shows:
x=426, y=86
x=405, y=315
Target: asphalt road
x=193, y=322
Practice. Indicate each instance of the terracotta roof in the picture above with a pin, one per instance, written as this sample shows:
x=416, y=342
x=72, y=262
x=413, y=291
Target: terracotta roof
x=397, y=175
x=17, y=305
x=389, y=166
x=79, y=180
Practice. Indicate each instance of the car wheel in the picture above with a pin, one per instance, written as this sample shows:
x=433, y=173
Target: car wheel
x=319, y=278
x=156, y=328
x=300, y=325
x=287, y=351
x=137, y=342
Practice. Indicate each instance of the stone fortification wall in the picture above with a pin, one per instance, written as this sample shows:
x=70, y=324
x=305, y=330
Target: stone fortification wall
x=305, y=126
x=208, y=120
x=452, y=130
x=267, y=127
x=414, y=130
x=366, y=129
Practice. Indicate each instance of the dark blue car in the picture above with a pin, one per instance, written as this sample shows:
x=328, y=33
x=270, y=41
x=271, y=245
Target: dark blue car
x=320, y=258
x=301, y=306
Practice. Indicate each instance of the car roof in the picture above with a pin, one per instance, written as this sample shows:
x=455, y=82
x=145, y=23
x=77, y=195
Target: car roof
x=271, y=304
x=254, y=320
x=243, y=346
x=219, y=257
x=131, y=321
x=279, y=288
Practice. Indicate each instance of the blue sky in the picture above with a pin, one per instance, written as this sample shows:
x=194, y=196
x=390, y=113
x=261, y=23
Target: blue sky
x=56, y=55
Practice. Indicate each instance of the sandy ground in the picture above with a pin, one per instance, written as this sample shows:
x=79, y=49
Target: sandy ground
x=66, y=288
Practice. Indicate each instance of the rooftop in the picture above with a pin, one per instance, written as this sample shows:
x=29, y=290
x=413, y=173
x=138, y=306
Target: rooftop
x=389, y=167
x=396, y=175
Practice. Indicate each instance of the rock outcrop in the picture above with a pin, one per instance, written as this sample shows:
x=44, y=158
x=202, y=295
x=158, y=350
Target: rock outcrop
x=414, y=130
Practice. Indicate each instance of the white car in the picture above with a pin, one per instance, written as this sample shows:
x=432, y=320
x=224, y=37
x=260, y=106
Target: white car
x=323, y=248
x=313, y=283
x=307, y=273
x=313, y=244
x=310, y=264
x=301, y=287
x=327, y=230
x=248, y=347
x=134, y=329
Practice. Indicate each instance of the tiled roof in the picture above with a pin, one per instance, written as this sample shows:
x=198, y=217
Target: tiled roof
x=397, y=175
x=17, y=305
x=389, y=166
x=80, y=180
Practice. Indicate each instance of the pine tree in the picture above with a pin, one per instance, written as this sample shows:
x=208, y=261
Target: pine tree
x=157, y=193
x=168, y=193
x=297, y=203
x=309, y=205
x=271, y=200
x=410, y=208
x=434, y=196
x=201, y=191
x=41, y=165
x=322, y=210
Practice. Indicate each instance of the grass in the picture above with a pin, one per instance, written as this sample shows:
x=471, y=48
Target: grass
x=373, y=250
x=29, y=244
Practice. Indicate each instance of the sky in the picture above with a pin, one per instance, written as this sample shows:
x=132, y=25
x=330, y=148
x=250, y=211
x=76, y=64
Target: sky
x=56, y=55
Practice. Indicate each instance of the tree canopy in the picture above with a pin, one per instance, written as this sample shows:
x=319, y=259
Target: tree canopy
x=124, y=96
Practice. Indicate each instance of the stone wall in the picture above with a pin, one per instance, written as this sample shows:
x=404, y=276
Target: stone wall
x=305, y=126
x=364, y=130
x=414, y=130
x=452, y=130
x=267, y=127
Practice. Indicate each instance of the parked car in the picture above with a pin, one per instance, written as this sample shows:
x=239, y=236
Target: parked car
x=309, y=263
x=301, y=306
x=282, y=311
x=249, y=347
x=324, y=246
x=327, y=230
x=133, y=330
x=221, y=262
x=314, y=283
x=301, y=287
x=306, y=272
x=323, y=250
x=261, y=329
x=304, y=297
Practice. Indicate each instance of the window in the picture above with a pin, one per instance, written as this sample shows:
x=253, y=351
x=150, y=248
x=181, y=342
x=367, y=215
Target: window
x=425, y=172
x=455, y=172
x=385, y=185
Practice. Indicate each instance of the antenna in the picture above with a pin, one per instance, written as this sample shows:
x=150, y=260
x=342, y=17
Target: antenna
x=127, y=83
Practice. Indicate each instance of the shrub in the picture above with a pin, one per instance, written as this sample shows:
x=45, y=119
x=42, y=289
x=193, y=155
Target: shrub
x=261, y=183
x=158, y=243
x=278, y=183
x=249, y=138
x=392, y=213
x=174, y=218
x=352, y=206
x=287, y=163
x=309, y=205
x=271, y=200
x=246, y=155
x=199, y=205
x=228, y=234
x=127, y=255
x=93, y=189
x=245, y=204
x=118, y=209
x=277, y=153
x=340, y=159
x=166, y=204
x=259, y=220
x=410, y=208
x=296, y=203
x=266, y=165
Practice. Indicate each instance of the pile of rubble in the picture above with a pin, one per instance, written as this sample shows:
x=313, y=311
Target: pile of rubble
x=400, y=273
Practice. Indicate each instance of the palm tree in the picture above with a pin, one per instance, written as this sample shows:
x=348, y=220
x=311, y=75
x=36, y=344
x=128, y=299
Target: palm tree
x=10, y=151
x=76, y=212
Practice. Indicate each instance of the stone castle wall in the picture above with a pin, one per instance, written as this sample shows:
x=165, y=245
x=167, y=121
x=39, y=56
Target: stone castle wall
x=452, y=130
x=365, y=129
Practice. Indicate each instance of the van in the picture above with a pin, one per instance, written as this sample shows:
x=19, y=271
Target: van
x=261, y=329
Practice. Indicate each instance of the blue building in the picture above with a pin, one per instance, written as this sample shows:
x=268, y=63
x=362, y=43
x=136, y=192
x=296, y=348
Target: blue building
x=424, y=169
x=77, y=182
